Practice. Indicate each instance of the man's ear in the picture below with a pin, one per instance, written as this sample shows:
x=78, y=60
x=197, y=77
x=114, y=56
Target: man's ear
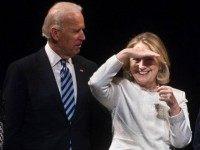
x=55, y=33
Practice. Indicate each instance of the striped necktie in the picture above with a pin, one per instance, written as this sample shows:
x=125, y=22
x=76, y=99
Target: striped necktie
x=67, y=90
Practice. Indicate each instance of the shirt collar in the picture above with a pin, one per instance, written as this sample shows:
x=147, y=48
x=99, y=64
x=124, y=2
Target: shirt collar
x=54, y=58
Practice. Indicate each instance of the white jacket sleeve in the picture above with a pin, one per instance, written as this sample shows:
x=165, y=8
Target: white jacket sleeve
x=180, y=131
x=101, y=85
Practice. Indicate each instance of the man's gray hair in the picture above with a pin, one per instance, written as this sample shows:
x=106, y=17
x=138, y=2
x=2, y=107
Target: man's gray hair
x=55, y=15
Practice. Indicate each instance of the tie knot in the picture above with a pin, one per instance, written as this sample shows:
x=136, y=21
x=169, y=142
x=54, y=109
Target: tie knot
x=63, y=62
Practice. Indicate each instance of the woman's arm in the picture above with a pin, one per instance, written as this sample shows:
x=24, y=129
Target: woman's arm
x=101, y=84
x=180, y=131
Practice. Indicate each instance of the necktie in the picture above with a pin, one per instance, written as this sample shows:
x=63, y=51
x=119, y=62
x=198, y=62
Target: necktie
x=67, y=90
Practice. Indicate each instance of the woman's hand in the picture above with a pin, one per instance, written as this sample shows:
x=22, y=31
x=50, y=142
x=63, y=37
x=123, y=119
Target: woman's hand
x=128, y=53
x=166, y=94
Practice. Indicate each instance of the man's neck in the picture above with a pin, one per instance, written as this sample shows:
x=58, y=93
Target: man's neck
x=57, y=50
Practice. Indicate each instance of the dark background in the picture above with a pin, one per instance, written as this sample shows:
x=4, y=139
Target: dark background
x=110, y=24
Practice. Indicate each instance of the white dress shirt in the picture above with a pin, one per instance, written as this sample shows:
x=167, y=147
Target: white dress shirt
x=54, y=60
x=140, y=120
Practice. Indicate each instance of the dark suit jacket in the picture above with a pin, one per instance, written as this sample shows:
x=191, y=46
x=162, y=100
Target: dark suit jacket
x=34, y=113
x=196, y=141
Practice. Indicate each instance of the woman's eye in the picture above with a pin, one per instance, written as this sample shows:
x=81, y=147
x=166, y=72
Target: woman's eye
x=149, y=60
x=137, y=60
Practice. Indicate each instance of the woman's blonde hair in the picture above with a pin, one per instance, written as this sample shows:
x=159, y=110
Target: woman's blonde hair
x=154, y=43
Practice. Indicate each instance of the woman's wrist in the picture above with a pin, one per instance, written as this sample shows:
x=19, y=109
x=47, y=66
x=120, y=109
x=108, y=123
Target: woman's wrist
x=122, y=56
x=174, y=110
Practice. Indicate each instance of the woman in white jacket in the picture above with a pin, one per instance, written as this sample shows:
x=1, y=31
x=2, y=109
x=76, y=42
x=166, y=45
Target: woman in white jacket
x=147, y=114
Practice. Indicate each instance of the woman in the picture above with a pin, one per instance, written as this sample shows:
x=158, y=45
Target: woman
x=147, y=114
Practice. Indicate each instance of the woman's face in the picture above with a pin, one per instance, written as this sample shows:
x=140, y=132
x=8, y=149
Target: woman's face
x=144, y=70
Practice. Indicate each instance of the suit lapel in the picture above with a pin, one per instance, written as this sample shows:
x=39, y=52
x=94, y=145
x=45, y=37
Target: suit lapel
x=48, y=76
x=80, y=72
x=46, y=73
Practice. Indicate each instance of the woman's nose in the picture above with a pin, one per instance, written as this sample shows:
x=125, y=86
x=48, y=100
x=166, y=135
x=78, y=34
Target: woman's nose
x=141, y=64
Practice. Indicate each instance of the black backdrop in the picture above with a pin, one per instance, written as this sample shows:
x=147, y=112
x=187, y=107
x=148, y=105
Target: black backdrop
x=109, y=26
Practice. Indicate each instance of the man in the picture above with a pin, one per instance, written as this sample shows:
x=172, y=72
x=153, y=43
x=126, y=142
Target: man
x=196, y=141
x=1, y=124
x=48, y=104
x=1, y=135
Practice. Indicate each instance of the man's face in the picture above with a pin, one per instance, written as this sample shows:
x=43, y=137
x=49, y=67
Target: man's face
x=72, y=35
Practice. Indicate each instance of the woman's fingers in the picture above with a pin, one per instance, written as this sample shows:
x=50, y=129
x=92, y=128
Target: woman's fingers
x=166, y=94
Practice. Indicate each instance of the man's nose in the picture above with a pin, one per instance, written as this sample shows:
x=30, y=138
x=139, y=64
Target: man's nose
x=82, y=35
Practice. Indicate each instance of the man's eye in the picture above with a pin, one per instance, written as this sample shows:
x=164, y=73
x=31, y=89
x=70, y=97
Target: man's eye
x=76, y=31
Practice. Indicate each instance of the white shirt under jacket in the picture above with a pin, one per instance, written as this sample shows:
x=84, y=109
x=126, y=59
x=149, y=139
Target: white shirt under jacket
x=137, y=123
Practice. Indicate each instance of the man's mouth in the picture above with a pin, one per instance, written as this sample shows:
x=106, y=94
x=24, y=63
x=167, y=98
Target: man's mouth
x=78, y=45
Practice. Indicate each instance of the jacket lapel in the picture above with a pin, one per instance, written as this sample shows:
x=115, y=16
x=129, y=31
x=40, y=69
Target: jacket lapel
x=49, y=79
x=80, y=79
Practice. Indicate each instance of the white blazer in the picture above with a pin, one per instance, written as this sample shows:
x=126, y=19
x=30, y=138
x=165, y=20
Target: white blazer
x=140, y=120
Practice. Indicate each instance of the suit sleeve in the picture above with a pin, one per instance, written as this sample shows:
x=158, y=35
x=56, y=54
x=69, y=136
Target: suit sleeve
x=14, y=95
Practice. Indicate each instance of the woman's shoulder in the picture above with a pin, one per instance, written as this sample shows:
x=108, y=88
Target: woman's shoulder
x=177, y=90
x=179, y=94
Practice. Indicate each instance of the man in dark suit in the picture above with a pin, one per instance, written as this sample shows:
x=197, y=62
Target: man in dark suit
x=1, y=120
x=36, y=111
x=196, y=141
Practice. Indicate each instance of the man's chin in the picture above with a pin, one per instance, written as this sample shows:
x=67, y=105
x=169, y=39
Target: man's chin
x=75, y=52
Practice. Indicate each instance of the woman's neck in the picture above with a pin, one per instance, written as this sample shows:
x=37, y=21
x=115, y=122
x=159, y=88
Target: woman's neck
x=152, y=87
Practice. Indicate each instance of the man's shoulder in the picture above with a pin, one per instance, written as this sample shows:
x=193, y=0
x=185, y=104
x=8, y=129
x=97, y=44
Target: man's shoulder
x=83, y=61
x=80, y=58
x=29, y=59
